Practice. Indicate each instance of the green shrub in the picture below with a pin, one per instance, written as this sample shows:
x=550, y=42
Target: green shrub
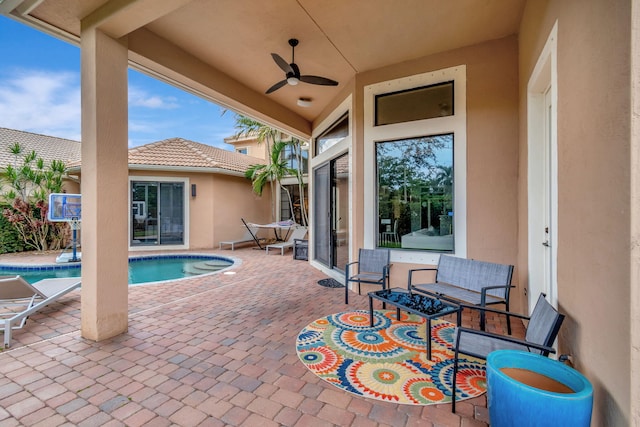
x=28, y=183
x=10, y=240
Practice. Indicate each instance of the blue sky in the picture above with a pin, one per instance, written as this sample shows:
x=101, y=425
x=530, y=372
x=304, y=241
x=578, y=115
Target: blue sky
x=40, y=93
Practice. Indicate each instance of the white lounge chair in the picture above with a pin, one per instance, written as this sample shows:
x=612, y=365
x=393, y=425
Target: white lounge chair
x=297, y=233
x=19, y=299
x=250, y=236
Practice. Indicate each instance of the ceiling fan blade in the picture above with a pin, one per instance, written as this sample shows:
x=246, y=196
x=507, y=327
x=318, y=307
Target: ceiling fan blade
x=317, y=80
x=276, y=86
x=282, y=63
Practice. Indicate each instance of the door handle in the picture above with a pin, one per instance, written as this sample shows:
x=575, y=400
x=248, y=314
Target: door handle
x=546, y=243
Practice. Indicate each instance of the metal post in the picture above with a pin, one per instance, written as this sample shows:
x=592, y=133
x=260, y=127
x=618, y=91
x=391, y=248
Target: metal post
x=74, y=227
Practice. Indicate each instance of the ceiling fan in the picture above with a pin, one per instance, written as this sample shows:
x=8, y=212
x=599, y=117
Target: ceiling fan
x=292, y=71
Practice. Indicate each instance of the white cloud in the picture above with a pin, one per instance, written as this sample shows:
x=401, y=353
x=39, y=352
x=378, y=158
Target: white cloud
x=48, y=102
x=138, y=97
x=41, y=102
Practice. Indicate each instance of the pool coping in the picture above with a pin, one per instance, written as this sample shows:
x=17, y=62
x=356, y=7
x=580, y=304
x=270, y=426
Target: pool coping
x=49, y=266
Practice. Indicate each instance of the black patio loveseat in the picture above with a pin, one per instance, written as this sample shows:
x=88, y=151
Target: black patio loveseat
x=468, y=281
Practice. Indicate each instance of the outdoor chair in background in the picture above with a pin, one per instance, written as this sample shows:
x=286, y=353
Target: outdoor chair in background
x=249, y=236
x=372, y=267
x=301, y=249
x=391, y=234
x=296, y=234
x=19, y=299
x=542, y=330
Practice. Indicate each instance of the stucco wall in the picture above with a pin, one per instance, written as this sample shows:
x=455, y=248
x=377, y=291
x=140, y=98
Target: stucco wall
x=233, y=199
x=492, y=145
x=593, y=187
x=220, y=202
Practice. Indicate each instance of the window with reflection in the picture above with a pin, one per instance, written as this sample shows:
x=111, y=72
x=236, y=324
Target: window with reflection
x=296, y=154
x=415, y=193
x=427, y=102
x=336, y=133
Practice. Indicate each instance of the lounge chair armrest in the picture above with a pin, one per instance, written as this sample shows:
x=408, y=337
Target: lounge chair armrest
x=507, y=338
x=492, y=310
x=418, y=269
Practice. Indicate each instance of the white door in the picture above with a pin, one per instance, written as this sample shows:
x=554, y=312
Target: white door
x=549, y=203
x=543, y=179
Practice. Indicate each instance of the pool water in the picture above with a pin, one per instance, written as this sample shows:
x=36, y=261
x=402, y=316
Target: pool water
x=141, y=269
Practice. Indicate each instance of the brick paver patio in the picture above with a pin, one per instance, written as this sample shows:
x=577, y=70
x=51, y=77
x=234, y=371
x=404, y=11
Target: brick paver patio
x=209, y=351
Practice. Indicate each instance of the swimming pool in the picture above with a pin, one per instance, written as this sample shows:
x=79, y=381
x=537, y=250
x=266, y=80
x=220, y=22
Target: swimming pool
x=142, y=269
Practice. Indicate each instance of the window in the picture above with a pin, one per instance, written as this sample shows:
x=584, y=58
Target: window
x=242, y=150
x=295, y=203
x=415, y=193
x=426, y=213
x=421, y=103
x=294, y=155
x=332, y=136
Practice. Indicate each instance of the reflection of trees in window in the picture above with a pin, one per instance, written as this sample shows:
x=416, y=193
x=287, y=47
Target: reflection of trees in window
x=415, y=189
x=294, y=155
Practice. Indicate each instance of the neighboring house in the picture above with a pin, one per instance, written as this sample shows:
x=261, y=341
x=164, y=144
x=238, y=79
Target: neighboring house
x=187, y=195
x=250, y=145
x=183, y=194
x=47, y=147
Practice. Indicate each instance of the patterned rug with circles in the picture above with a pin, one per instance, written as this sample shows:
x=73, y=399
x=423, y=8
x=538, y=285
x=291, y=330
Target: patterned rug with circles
x=389, y=360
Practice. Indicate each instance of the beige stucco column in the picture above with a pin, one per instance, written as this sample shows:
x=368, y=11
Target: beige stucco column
x=104, y=304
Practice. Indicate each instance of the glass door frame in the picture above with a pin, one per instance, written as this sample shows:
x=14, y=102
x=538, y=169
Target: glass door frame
x=318, y=160
x=186, y=204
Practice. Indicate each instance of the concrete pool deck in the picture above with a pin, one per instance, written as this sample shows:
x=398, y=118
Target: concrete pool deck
x=215, y=350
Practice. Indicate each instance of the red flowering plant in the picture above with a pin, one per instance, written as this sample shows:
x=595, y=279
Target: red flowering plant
x=26, y=193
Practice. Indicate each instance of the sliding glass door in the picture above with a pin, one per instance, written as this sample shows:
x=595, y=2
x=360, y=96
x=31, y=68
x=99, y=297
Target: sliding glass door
x=157, y=213
x=331, y=213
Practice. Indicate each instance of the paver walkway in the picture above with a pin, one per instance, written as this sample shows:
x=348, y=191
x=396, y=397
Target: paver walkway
x=209, y=351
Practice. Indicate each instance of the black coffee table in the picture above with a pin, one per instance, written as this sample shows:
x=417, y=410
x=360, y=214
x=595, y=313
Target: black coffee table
x=422, y=305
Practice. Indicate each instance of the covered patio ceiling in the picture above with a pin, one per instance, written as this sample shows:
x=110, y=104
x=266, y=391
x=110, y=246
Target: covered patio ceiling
x=221, y=49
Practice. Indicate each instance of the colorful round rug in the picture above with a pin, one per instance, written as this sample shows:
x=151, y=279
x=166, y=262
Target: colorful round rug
x=389, y=361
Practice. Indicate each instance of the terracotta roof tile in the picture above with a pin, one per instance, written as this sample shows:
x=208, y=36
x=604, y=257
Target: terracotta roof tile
x=184, y=153
x=48, y=147
x=173, y=152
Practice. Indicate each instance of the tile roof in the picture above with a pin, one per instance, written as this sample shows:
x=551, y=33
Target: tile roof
x=178, y=152
x=48, y=147
x=173, y=152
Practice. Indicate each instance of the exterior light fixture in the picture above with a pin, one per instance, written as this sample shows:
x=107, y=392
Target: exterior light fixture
x=304, y=102
x=193, y=190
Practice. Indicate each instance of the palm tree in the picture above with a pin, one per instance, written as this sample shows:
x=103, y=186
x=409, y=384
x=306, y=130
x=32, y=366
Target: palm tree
x=296, y=145
x=247, y=126
x=275, y=170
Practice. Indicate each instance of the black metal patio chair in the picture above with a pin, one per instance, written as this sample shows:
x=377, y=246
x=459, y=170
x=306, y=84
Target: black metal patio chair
x=542, y=330
x=373, y=268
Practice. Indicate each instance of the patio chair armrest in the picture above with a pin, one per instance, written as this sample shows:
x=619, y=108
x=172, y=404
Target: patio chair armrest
x=385, y=276
x=409, y=281
x=483, y=291
x=508, y=338
x=347, y=267
x=492, y=310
